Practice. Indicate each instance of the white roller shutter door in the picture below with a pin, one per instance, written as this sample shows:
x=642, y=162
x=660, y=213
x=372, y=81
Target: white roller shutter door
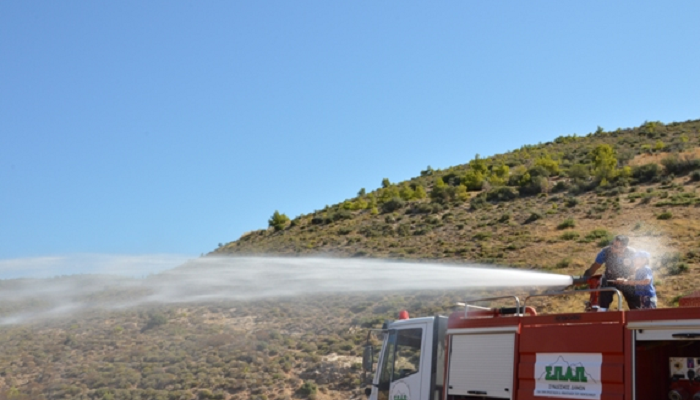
x=482, y=365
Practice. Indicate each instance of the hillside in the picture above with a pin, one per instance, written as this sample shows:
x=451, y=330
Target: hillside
x=548, y=207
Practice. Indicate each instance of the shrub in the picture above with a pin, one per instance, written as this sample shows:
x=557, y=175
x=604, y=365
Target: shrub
x=278, y=221
x=564, y=263
x=646, y=172
x=695, y=176
x=560, y=186
x=404, y=230
x=546, y=162
x=604, y=237
x=567, y=223
x=478, y=202
x=482, y=236
x=534, y=185
x=605, y=241
x=571, y=202
x=570, y=235
x=155, y=320
x=678, y=268
x=393, y=204
x=308, y=389
x=669, y=258
x=505, y=218
x=579, y=172
x=502, y=194
x=665, y=215
x=340, y=215
x=534, y=216
x=680, y=165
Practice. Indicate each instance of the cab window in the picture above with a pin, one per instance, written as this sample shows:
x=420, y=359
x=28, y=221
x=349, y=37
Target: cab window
x=407, y=358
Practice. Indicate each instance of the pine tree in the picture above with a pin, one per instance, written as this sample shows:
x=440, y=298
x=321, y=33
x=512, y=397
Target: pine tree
x=278, y=221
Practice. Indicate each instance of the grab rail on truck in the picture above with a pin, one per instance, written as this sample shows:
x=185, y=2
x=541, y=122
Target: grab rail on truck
x=605, y=289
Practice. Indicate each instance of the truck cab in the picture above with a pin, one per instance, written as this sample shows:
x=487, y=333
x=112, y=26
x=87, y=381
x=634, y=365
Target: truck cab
x=411, y=362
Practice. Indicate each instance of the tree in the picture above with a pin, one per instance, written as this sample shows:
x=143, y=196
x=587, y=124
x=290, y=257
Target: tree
x=478, y=165
x=473, y=179
x=579, y=172
x=427, y=172
x=278, y=221
x=420, y=193
x=386, y=183
x=361, y=193
x=406, y=192
x=439, y=193
x=550, y=165
x=604, y=161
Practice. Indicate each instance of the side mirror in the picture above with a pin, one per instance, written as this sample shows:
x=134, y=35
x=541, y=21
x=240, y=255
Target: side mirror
x=367, y=358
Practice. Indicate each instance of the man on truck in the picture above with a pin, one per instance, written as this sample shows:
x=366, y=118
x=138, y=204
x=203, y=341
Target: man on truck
x=618, y=260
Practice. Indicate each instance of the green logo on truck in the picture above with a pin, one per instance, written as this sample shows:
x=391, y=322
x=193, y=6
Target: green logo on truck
x=576, y=374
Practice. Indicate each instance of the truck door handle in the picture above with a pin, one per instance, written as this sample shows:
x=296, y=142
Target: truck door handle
x=686, y=335
x=477, y=392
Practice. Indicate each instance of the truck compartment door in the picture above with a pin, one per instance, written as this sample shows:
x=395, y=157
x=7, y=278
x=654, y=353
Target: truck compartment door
x=481, y=364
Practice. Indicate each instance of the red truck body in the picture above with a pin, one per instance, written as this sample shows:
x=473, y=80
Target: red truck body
x=610, y=355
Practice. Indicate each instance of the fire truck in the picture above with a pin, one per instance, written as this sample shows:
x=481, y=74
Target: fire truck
x=513, y=353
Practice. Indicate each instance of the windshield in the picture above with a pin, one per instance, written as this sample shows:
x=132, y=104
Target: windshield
x=400, y=357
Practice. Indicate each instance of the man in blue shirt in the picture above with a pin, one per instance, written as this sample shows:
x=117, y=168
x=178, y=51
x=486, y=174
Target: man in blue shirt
x=618, y=264
x=643, y=280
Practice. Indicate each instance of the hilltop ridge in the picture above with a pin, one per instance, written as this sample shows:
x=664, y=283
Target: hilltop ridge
x=549, y=207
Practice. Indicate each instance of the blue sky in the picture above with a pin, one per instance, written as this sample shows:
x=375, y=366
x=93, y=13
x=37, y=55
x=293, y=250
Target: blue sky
x=167, y=127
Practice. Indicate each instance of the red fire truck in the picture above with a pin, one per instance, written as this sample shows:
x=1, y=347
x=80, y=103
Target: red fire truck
x=513, y=353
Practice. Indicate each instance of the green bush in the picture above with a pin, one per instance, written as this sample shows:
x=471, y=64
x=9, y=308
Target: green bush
x=598, y=234
x=534, y=185
x=278, y=221
x=425, y=208
x=341, y=215
x=404, y=230
x=606, y=241
x=502, y=193
x=680, y=165
x=646, y=172
x=571, y=202
x=603, y=236
x=156, y=319
x=560, y=186
x=308, y=389
x=695, y=176
x=478, y=202
x=579, y=172
x=505, y=217
x=344, y=231
x=567, y=223
x=482, y=235
x=394, y=204
x=678, y=268
x=570, y=235
x=564, y=263
x=534, y=216
x=665, y=215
